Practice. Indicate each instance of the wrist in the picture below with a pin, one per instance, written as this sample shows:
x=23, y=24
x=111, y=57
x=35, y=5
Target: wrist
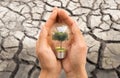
x=79, y=72
x=48, y=74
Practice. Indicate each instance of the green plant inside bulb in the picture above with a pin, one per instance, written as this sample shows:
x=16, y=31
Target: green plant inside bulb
x=60, y=36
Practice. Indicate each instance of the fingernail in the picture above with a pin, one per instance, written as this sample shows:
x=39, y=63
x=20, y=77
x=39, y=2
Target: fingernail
x=54, y=12
x=54, y=8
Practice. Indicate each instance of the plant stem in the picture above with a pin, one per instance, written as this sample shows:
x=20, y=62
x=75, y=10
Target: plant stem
x=61, y=44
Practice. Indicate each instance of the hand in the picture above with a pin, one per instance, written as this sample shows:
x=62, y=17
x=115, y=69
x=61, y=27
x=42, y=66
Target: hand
x=74, y=63
x=50, y=66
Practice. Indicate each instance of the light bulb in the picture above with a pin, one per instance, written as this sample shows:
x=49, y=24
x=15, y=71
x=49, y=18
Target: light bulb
x=60, y=38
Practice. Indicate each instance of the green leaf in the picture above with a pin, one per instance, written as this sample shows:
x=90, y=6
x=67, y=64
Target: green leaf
x=60, y=36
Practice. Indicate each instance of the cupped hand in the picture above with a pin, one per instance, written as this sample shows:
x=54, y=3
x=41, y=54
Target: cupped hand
x=77, y=50
x=44, y=51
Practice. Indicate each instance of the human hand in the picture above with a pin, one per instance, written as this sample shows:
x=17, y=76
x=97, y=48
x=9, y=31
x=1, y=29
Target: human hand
x=74, y=63
x=50, y=66
x=76, y=54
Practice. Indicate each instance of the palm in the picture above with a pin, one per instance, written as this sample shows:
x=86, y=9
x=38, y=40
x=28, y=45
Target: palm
x=76, y=56
x=70, y=58
x=51, y=60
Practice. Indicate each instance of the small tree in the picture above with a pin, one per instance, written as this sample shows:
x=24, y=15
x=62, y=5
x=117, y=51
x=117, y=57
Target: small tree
x=60, y=36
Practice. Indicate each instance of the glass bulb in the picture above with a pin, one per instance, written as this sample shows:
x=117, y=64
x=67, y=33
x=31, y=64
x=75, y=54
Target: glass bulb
x=60, y=38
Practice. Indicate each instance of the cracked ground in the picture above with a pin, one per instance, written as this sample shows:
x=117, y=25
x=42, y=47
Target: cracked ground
x=20, y=21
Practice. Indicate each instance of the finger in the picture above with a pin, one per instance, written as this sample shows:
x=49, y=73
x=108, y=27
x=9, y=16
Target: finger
x=77, y=34
x=42, y=46
x=68, y=20
x=42, y=39
x=52, y=19
x=65, y=17
x=50, y=22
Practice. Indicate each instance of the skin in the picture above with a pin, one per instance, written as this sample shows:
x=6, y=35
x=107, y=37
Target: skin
x=74, y=63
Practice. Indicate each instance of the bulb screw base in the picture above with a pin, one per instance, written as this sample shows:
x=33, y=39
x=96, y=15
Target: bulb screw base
x=61, y=55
